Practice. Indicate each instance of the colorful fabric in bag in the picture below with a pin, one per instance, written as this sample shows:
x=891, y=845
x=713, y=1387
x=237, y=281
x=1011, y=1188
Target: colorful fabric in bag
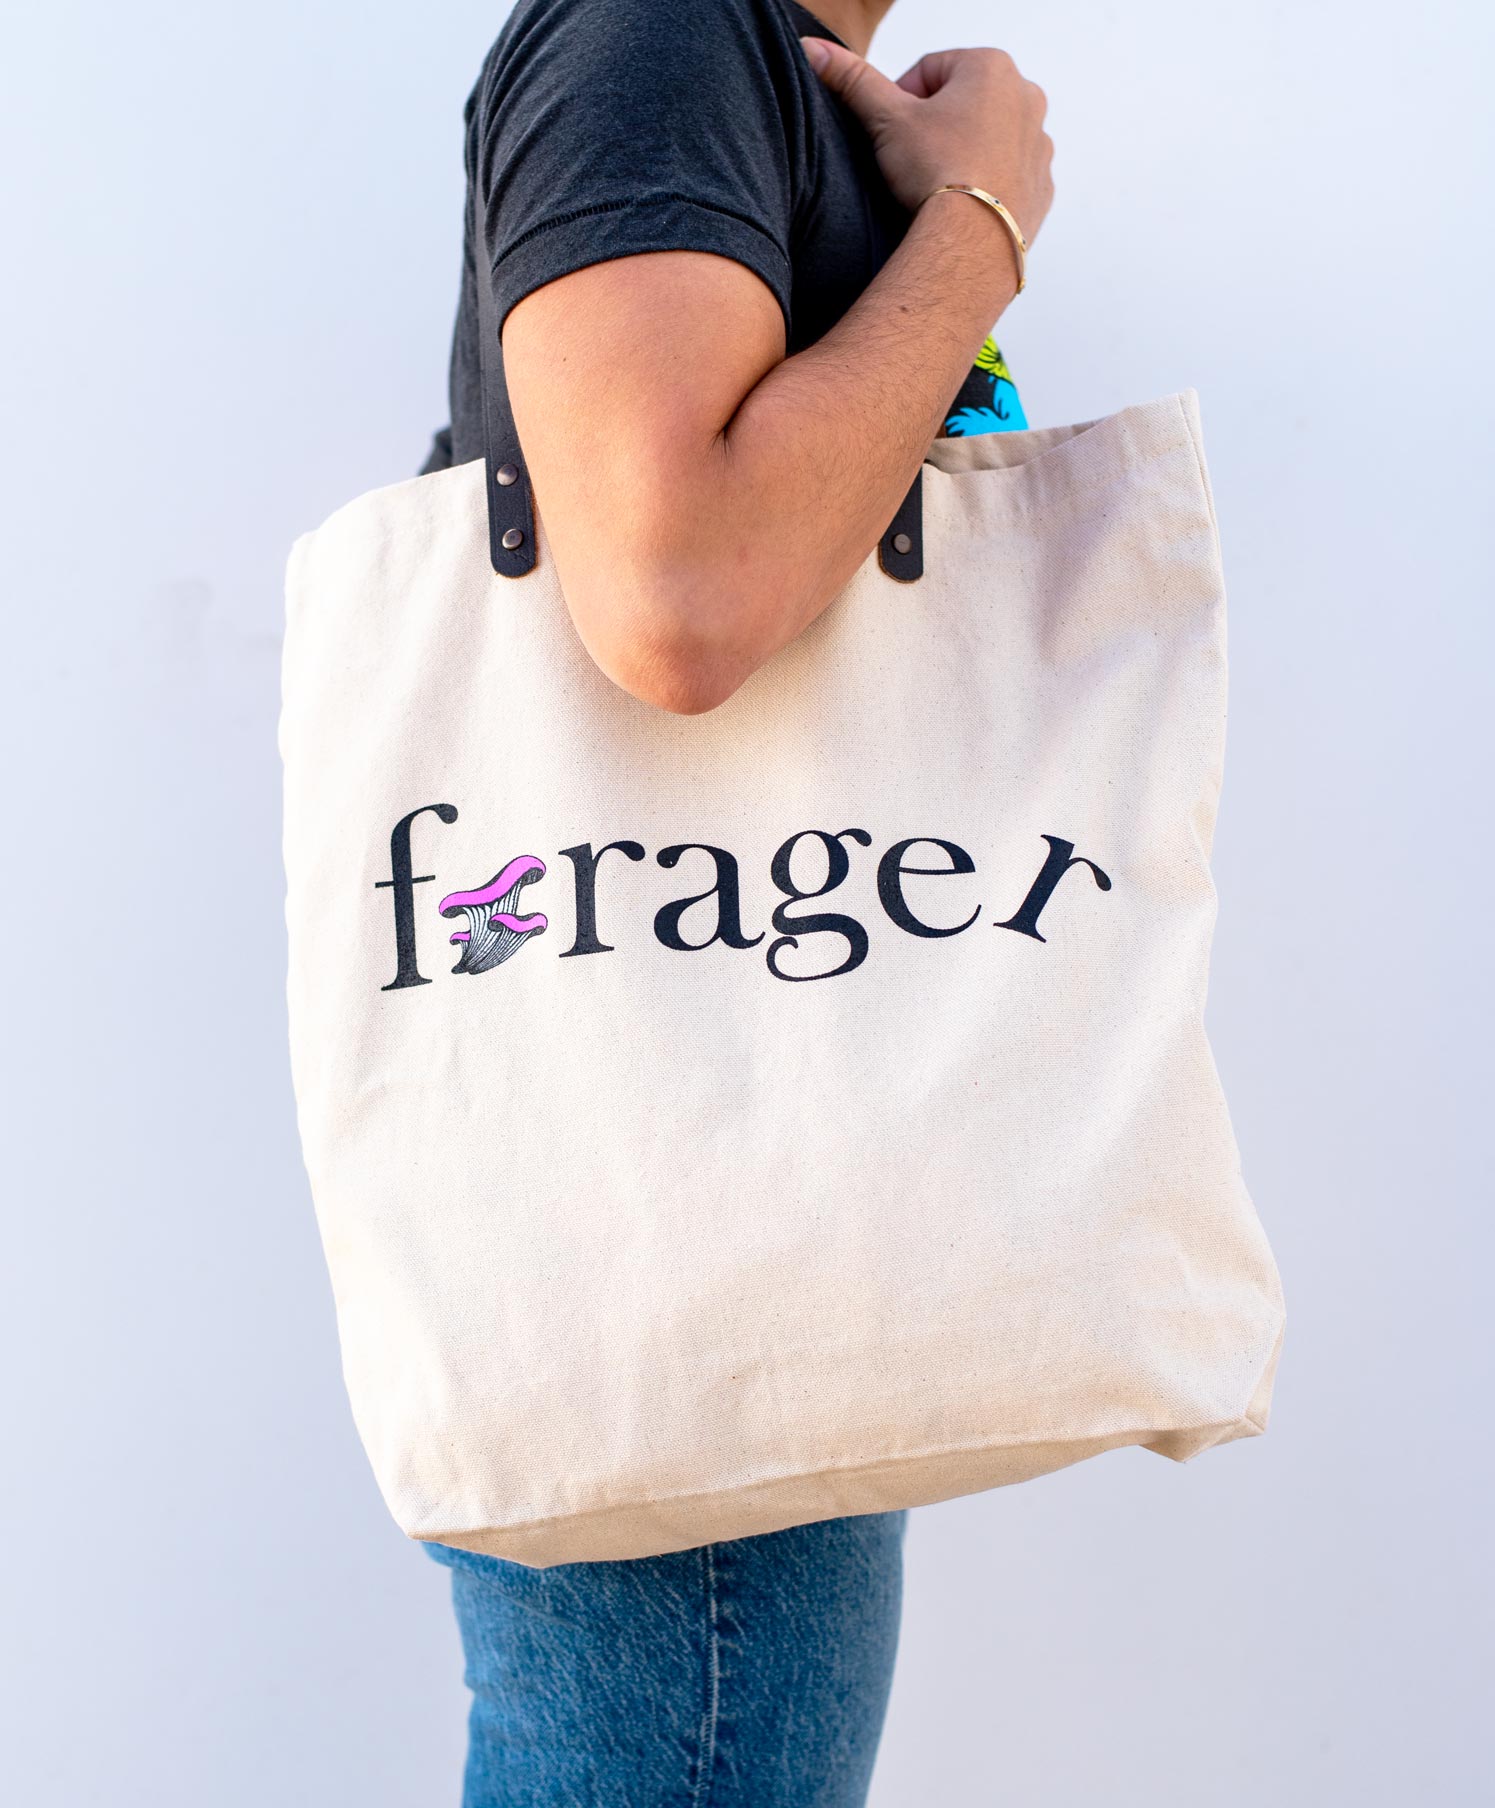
x=728, y=1121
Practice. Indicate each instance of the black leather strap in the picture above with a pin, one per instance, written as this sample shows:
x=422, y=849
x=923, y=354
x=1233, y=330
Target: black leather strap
x=900, y=551
x=511, y=514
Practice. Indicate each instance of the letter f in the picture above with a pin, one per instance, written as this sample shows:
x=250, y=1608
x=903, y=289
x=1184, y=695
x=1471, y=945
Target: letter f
x=403, y=882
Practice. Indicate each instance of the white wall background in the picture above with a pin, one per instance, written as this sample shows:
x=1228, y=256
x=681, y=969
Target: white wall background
x=232, y=237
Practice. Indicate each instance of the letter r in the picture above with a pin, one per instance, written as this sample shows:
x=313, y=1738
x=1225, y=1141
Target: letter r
x=1024, y=920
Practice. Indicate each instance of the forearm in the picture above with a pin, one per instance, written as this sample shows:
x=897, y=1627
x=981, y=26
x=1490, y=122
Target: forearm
x=811, y=467
x=758, y=527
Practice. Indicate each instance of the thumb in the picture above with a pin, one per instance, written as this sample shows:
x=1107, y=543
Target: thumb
x=867, y=91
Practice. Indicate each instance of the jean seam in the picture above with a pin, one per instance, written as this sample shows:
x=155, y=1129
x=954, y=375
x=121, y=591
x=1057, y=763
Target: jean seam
x=700, y=1795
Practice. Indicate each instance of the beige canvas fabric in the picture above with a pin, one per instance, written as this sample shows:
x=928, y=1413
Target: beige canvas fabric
x=637, y=1245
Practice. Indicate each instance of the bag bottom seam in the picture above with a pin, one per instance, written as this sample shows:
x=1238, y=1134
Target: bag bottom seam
x=1137, y=1436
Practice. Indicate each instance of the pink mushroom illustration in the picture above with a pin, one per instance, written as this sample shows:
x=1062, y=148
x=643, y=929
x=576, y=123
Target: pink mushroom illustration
x=494, y=929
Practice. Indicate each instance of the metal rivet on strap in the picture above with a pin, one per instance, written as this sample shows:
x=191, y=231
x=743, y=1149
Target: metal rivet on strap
x=506, y=474
x=902, y=543
x=512, y=539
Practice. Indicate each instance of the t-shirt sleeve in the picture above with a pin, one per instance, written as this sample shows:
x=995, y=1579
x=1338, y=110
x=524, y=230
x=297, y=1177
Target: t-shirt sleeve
x=606, y=128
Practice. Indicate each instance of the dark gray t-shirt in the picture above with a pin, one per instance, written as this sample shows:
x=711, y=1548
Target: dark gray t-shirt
x=604, y=128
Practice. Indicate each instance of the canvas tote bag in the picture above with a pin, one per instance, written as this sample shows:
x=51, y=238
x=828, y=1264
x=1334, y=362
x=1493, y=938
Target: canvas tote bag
x=724, y=1122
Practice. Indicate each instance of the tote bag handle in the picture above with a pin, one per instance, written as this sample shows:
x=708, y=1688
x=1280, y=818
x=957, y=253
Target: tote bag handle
x=511, y=512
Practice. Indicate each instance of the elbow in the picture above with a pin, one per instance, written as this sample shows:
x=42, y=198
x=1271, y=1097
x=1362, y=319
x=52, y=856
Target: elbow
x=681, y=678
x=677, y=601
x=677, y=638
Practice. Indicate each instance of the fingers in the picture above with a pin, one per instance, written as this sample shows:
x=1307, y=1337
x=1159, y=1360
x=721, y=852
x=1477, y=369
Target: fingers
x=867, y=91
x=930, y=73
x=940, y=67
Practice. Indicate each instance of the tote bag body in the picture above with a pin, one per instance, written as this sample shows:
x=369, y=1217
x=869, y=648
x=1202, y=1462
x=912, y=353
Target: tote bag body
x=893, y=1167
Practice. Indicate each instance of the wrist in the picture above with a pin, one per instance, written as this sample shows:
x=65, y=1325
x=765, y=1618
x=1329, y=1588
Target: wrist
x=977, y=252
x=1001, y=222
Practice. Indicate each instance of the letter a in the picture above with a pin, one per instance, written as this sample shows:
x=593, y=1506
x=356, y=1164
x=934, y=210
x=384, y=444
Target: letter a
x=725, y=891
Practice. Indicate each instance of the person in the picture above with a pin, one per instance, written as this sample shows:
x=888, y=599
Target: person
x=734, y=315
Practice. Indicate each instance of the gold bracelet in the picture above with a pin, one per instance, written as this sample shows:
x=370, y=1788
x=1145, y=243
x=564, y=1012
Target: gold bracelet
x=1014, y=231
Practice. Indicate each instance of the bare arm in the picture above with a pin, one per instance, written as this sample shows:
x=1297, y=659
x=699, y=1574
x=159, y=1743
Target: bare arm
x=708, y=499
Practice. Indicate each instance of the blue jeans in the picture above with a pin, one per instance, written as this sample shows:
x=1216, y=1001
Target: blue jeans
x=752, y=1674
